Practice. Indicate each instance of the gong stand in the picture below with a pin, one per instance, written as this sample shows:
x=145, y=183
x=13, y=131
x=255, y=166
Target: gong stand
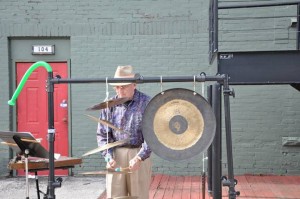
x=222, y=79
x=214, y=152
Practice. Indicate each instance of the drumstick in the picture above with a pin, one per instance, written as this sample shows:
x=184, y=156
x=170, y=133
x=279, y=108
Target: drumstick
x=28, y=140
x=9, y=144
x=120, y=169
x=23, y=139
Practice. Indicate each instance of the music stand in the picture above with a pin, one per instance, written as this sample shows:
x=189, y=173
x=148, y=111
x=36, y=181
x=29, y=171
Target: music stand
x=23, y=143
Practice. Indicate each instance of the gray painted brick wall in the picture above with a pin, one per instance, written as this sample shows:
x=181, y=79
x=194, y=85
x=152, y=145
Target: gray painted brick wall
x=162, y=39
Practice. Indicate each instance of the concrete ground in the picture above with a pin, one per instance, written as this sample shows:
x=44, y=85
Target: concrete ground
x=72, y=187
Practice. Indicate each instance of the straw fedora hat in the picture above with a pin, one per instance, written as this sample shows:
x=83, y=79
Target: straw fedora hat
x=123, y=72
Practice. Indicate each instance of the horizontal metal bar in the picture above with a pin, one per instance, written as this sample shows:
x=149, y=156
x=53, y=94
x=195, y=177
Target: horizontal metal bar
x=253, y=5
x=140, y=79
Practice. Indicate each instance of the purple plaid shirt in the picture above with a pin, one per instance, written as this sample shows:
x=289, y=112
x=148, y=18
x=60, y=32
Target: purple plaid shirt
x=128, y=117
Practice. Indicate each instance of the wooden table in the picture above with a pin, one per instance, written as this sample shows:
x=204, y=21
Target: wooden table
x=40, y=164
x=37, y=164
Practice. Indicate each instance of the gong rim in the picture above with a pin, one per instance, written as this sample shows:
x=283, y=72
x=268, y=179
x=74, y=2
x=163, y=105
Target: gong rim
x=150, y=123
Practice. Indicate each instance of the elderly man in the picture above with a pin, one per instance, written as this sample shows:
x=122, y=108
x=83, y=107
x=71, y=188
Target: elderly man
x=135, y=154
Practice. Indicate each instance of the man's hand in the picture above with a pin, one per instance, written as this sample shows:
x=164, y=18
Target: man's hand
x=111, y=164
x=134, y=163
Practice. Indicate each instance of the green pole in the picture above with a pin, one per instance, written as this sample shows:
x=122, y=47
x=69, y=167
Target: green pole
x=34, y=66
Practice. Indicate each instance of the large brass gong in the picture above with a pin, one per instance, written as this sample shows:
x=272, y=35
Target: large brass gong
x=178, y=124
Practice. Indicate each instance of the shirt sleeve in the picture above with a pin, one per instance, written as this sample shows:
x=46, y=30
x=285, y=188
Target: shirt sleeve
x=145, y=151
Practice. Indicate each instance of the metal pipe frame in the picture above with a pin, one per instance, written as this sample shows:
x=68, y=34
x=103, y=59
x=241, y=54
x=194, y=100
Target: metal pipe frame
x=209, y=150
x=298, y=27
x=220, y=79
x=255, y=5
x=51, y=137
x=231, y=181
x=217, y=143
x=140, y=79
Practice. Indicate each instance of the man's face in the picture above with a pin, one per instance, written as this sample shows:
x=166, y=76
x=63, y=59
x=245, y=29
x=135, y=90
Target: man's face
x=125, y=91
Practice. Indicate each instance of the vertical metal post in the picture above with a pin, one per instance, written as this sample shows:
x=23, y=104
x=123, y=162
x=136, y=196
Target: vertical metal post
x=298, y=26
x=209, y=170
x=230, y=182
x=37, y=184
x=209, y=150
x=216, y=25
x=217, y=143
x=51, y=137
x=26, y=152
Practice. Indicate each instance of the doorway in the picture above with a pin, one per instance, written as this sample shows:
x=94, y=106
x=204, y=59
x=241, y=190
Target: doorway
x=32, y=107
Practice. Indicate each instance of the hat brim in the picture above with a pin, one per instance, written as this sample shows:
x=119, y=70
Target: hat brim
x=120, y=84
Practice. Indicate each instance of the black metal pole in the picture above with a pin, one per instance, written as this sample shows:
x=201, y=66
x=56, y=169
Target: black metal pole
x=217, y=144
x=140, y=79
x=37, y=184
x=298, y=26
x=253, y=5
x=230, y=182
x=209, y=170
x=216, y=26
x=51, y=137
x=213, y=28
x=209, y=150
